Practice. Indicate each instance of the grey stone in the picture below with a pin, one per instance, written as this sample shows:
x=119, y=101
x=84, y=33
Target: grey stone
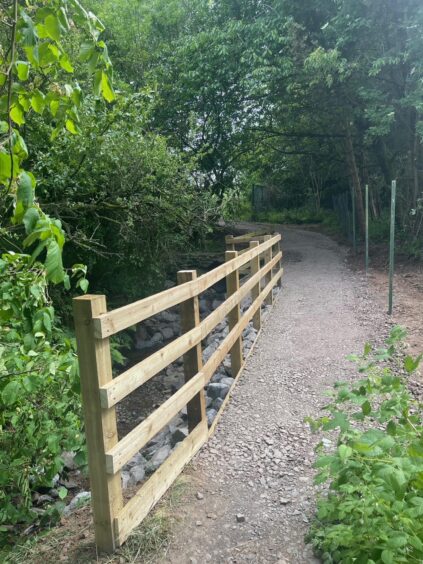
x=124, y=477
x=228, y=381
x=136, y=474
x=68, y=458
x=217, y=390
x=167, y=333
x=217, y=404
x=211, y=414
x=240, y=518
x=169, y=316
x=77, y=501
x=209, y=350
x=157, y=459
x=179, y=435
x=156, y=338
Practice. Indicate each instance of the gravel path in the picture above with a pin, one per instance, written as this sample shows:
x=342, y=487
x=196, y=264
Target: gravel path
x=254, y=478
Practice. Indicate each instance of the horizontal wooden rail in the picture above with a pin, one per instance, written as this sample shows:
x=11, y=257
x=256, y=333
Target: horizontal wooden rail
x=121, y=318
x=94, y=325
x=117, y=389
x=150, y=493
x=125, y=449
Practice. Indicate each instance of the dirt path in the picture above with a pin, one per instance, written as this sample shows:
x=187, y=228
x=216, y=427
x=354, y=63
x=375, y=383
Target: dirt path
x=254, y=478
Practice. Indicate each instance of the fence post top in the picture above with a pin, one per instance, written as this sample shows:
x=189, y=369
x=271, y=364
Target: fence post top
x=89, y=298
x=229, y=255
x=254, y=243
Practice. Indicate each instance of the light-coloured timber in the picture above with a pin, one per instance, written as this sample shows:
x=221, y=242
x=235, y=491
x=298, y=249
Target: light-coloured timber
x=121, y=453
x=255, y=290
x=256, y=235
x=232, y=287
x=131, y=379
x=151, y=492
x=100, y=424
x=268, y=258
x=121, y=318
x=193, y=358
x=125, y=449
x=113, y=521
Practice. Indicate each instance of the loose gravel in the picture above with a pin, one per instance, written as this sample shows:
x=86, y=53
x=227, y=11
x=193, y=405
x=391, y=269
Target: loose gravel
x=254, y=493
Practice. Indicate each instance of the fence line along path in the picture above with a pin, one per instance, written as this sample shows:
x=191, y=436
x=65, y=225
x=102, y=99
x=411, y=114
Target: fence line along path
x=261, y=260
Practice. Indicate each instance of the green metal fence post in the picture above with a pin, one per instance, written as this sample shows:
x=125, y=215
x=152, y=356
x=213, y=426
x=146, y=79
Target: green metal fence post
x=392, y=246
x=353, y=221
x=367, y=228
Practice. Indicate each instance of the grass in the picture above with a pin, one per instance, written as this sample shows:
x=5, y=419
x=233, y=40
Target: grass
x=73, y=540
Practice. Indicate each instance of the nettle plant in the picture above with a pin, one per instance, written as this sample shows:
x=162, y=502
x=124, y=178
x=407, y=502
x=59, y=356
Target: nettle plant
x=372, y=510
x=37, y=66
x=39, y=392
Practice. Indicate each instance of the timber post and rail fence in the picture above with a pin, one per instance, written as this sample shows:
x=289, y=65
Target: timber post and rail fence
x=113, y=518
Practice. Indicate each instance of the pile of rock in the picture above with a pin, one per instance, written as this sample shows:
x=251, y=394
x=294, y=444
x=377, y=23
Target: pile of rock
x=157, y=450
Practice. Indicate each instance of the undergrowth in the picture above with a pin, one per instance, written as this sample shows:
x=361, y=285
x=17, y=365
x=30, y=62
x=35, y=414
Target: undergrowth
x=372, y=508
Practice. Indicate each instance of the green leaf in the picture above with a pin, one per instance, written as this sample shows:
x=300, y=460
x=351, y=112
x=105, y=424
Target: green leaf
x=366, y=408
x=11, y=392
x=65, y=63
x=22, y=68
x=63, y=492
x=53, y=263
x=411, y=364
x=25, y=192
x=72, y=127
x=387, y=557
x=17, y=114
x=106, y=87
x=30, y=219
x=38, y=102
x=52, y=26
x=344, y=452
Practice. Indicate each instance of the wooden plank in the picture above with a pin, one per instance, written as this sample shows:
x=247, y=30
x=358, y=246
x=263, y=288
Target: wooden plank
x=278, y=248
x=151, y=492
x=229, y=394
x=255, y=291
x=268, y=258
x=229, y=242
x=232, y=287
x=122, y=452
x=100, y=424
x=125, y=449
x=119, y=319
x=193, y=358
x=225, y=346
x=256, y=235
x=114, y=391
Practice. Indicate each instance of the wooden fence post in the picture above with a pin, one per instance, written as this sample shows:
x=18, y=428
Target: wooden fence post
x=230, y=245
x=95, y=367
x=278, y=250
x=193, y=361
x=267, y=258
x=255, y=267
x=232, y=286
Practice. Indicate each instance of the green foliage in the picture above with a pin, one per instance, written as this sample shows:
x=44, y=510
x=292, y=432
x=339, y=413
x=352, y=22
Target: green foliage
x=373, y=509
x=129, y=202
x=39, y=391
x=36, y=71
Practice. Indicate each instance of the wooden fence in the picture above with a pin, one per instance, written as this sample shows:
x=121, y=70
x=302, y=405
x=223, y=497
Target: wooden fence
x=114, y=519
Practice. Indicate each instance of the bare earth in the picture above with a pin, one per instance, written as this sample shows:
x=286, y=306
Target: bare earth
x=254, y=478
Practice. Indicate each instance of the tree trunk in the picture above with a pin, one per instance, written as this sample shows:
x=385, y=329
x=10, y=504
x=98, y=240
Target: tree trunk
x=355, y=179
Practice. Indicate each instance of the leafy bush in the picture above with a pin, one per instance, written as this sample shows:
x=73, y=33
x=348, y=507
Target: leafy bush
x=373, y=510
x=39, y=390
